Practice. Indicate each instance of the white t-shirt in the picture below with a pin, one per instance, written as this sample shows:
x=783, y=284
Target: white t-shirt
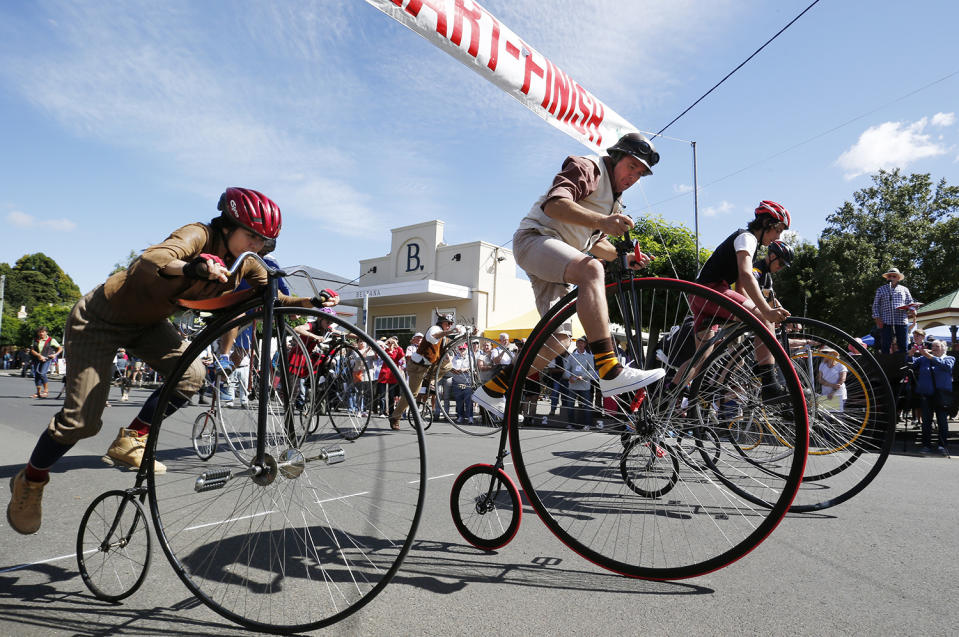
x=746, y=241
x=831, y=375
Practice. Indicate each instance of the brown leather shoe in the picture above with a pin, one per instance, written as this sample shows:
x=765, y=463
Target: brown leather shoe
x=127, y=450
x=24, y=512
x=394, y=424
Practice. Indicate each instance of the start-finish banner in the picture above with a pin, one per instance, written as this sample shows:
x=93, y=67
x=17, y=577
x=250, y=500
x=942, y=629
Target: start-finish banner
x=472, y=35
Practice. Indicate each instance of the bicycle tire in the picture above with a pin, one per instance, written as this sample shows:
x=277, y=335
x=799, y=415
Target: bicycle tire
x=485, y=506
x=573, y=481
x=649, y=468
x=312, y=538
x=483, y=424
x=348, y=420
x=204, y=435
x=847, y=449
x=112, y=566
x=425, y=412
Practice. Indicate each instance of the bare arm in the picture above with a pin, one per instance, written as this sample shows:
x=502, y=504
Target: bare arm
x=568, y=211
x=748, y=285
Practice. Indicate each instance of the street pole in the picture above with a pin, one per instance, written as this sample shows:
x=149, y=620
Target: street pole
x=3, y=285
x=696, y=204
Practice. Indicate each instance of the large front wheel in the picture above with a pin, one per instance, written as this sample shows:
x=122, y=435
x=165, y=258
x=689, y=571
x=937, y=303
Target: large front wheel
x=303, y=533
x=717, y=505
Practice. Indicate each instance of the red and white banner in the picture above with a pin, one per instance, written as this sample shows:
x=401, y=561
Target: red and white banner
x=472, y=35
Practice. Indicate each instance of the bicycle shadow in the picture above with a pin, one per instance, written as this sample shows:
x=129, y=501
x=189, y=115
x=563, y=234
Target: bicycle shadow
x=47, y=606
x=464, y=564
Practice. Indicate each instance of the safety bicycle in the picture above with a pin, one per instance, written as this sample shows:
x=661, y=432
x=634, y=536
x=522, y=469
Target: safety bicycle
x=633, y=496
x=291, y=530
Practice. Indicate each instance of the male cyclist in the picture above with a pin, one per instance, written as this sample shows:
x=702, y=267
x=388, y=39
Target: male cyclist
x=426, y=355
x=573, y=218
x=130, y=310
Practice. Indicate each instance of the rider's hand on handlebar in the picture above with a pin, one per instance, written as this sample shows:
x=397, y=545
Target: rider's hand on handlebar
x=776, y=315
x=615, y=225
x=634, y=263
x=206, y=267
x=326, y=298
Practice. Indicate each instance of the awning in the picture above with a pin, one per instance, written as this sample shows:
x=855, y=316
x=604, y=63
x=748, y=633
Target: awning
x=420, y=291
x=521, y=326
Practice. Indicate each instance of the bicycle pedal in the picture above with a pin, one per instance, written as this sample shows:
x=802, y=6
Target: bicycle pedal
x=213, y=479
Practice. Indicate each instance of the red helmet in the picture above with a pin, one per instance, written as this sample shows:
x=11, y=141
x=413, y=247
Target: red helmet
x=774, y=210
x=252, y=210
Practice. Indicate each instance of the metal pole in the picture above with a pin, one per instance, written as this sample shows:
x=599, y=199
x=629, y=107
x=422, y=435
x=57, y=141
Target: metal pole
x=3, y=285
x=696, y=203
x=366, y=312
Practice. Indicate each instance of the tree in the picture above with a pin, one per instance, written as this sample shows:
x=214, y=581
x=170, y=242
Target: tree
x=901, y=222
x=53, y=317
x=672, y=245
x=36, y=279
x=797, y=286
x=120, y=266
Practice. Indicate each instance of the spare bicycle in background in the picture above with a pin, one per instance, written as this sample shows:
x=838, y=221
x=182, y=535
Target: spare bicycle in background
x=289, y=531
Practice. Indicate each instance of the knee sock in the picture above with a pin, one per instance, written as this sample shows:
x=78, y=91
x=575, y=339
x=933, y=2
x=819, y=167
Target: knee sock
x=604, y=357
x=141, y=424
x=499, y=383
x=45, y=455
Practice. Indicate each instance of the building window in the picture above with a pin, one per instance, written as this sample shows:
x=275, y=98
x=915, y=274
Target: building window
x=401, y=327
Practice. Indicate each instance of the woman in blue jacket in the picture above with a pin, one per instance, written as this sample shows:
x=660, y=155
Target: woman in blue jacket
x=934, y=386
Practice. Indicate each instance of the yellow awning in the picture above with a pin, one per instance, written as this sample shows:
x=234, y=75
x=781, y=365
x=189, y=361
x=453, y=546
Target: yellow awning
x=521, y=326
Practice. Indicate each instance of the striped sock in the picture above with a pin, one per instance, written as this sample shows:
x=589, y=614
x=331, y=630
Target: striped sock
x=499, y=383
x=607, y=365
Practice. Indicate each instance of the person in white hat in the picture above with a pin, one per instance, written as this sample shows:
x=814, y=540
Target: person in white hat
x=891, y=309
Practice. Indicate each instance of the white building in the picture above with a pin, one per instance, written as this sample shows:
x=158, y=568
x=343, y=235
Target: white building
x=422, y=275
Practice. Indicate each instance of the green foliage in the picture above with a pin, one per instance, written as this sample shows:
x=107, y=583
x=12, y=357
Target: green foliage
x=797, y=287
x=123, y=265
x=900, y=221
x=53, y=317
x=35, y=280
x=672, y=244
x=37, y=283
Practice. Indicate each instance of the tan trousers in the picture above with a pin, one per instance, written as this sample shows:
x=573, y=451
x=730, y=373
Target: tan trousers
x=91, y=340
x=417, y=373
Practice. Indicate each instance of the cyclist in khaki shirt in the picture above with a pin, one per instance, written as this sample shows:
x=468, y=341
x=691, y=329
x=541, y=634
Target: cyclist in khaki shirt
x=131, y=310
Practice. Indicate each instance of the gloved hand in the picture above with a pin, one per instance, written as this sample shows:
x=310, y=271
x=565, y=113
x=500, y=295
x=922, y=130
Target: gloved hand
x=326, y=298
x=198, y=267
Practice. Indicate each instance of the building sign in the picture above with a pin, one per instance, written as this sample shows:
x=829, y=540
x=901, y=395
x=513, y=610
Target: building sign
x=413, y=257
x=472, y=35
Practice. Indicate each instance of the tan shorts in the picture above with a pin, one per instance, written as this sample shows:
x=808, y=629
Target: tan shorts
x=545, y=259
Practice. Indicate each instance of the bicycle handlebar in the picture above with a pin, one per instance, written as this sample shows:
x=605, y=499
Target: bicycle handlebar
x=273, y=272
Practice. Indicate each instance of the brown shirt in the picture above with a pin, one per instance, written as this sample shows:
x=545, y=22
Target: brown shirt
x=578, y=178
x=141, y=295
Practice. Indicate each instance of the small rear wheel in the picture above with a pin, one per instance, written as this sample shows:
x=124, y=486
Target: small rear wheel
x=486, y=507
x=204, y=435
x=649, y=468
x=113, y=546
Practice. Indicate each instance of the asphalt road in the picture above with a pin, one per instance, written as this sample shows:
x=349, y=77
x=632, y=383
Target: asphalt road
x=884, y=563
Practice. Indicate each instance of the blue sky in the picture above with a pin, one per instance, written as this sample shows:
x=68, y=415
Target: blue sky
x=123, y=121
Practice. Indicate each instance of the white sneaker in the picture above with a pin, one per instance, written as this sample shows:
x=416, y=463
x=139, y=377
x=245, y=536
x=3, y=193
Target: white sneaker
x=599, y=424
x=495, y=406
x=630, y=379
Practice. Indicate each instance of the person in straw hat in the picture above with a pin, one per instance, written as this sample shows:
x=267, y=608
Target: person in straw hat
x=891, y=309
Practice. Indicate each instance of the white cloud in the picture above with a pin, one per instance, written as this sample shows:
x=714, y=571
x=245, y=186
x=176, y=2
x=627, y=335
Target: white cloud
x=943, y=119
x=721, y=209
x=682, y=189
x=892, y=145
x=23, y=220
